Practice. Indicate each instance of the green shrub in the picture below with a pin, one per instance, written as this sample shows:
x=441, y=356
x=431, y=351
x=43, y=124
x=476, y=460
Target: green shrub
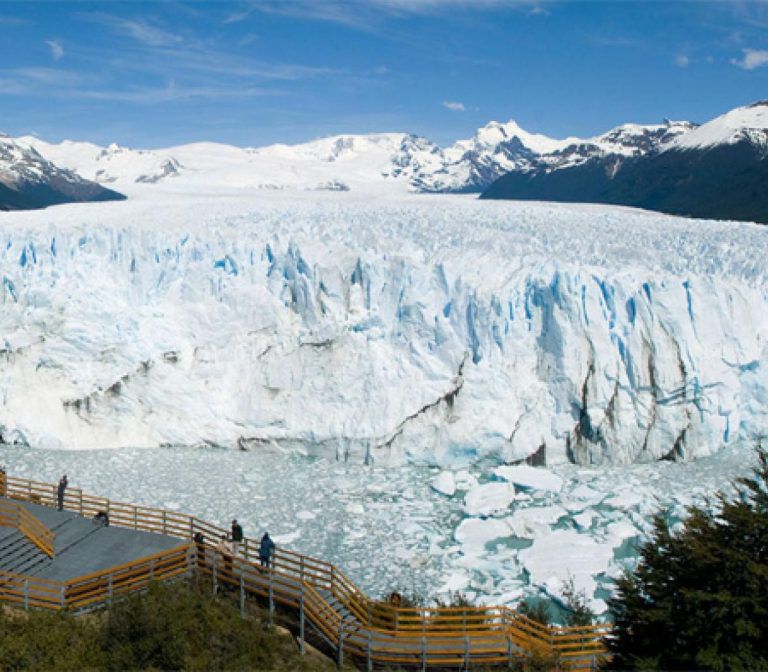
x=698, y=598
x=578, y=612
x=536, y=609
x=178, y=626
x=48, y=641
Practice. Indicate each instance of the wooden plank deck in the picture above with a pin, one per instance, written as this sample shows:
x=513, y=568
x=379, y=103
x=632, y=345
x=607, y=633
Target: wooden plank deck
x=81, y=546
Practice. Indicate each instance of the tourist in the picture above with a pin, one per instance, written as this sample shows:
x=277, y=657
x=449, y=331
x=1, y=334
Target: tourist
x=237, y=536
x=61, y=490
x=101, y=518
x=225, y=550
x=266, y=550
x=199, y=540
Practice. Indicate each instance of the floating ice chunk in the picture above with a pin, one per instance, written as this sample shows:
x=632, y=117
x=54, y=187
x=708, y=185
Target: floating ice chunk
x=457, y=581
x=489, y=499
x=306, y=515
x=616, y=533
x=465, y=480
x=288, y=538
x=444, y=483
x=584, y=520
x=624, y=499
x=530, y=477
x=508, y=598
x=475, y=533
x=355, y=508
x=588, y=495
x=586, y=559
x=535, y=521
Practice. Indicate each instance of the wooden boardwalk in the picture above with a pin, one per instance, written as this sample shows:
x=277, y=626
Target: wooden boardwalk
x=144, y=544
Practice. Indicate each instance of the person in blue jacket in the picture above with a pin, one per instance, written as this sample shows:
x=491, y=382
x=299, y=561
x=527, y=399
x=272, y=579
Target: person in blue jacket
x=266, y=550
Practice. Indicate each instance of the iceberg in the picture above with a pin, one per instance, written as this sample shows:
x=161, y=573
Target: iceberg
x=530, y=477
x=489, y=499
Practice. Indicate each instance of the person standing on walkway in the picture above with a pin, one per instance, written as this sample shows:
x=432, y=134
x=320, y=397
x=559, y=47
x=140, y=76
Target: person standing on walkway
x=237, y=536
x=224, y=547
x=266, y=550
x=199, y=540
x=61, y=490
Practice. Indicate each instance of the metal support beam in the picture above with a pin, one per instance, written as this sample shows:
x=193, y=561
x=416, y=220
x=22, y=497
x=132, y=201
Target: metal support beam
x=466, y=652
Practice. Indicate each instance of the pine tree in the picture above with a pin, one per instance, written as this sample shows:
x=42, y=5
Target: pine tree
x=698, y=598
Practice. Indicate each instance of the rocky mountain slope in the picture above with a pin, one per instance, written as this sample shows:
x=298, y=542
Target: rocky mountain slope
x=718, y=170
x=28, y=181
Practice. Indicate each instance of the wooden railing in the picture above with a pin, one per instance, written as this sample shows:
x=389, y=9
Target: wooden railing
x=17, y=516
x=375, y=631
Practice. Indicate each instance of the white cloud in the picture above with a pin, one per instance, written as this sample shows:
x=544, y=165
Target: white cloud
x=141, y=31
x=367, y=14
x=752, y=59
x=454, y=106
x=682, y=61
x=57, y=51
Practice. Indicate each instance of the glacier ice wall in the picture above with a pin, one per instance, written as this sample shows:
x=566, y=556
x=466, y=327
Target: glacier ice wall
x=444, y=331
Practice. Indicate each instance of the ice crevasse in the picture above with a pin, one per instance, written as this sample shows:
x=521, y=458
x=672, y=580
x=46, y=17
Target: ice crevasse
x=437, y=339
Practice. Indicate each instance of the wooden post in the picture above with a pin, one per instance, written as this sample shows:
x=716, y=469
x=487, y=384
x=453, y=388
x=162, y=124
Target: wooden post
x=271, y=593
x=152, y=570
x=509, y=652
x=81, y=502
x=242, y=595
x=164, y=521
x=63, y=597
x=423, y=654
x=26, y=593
x=369, y=653
x=301, y=621
x=340, y=652
x=109, y=588
x=213, y=570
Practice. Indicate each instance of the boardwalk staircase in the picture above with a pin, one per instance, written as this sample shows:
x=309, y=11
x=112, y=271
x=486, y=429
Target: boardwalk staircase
x=372, y=633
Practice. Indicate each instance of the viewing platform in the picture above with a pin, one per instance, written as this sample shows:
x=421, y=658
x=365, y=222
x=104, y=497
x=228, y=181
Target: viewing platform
x=66, y=559
x=81, y=546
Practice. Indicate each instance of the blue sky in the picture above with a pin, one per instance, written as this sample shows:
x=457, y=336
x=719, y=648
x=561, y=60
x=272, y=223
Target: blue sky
x=151, y=74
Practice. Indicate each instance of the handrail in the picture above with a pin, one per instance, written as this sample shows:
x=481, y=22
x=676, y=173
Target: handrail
x=383, y=632
x=17, y=516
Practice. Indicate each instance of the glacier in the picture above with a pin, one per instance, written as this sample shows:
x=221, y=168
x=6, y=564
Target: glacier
x=438, y=330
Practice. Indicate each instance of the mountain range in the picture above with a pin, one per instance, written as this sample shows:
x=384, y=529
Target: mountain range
x=714, y=170
x=718, y=170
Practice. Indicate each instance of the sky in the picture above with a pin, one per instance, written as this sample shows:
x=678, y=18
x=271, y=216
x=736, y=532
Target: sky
x=162, y=73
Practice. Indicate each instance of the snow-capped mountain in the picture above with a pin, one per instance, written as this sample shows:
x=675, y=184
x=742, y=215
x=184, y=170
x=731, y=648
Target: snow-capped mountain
x=747, y=124
x=625, y=141
x=718, y=170
x=27, y=180
x=394, y=162
x=106, y=165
